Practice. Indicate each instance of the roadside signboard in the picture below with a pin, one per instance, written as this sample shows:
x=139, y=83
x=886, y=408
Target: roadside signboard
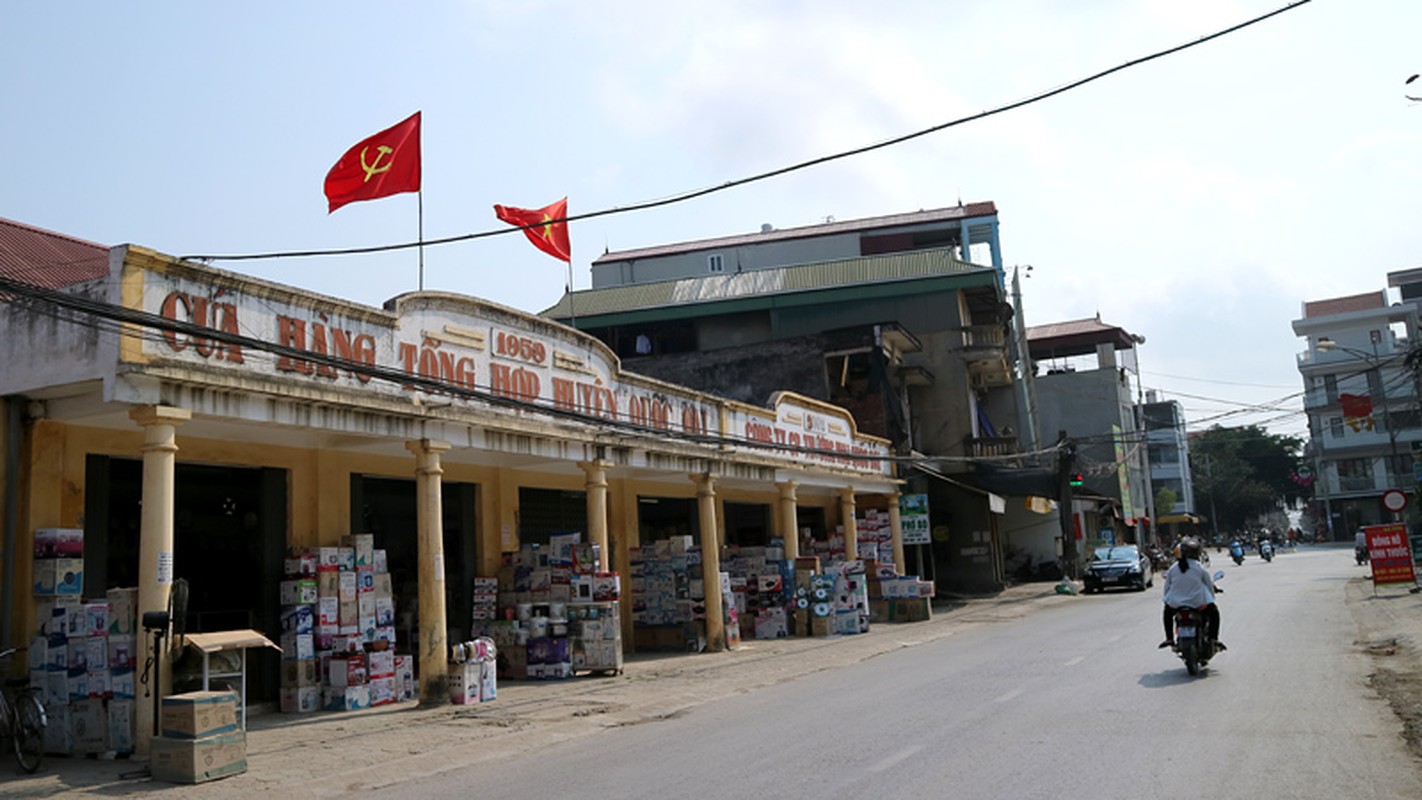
x=1390, y=554
x=913, y=519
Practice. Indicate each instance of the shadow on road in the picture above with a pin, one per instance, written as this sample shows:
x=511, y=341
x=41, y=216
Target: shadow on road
x=1172, y=677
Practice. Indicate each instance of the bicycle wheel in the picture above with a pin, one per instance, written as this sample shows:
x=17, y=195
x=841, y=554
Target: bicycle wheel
x=29, y=731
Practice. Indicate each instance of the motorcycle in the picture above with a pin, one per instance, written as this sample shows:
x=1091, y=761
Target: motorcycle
x=1360, y=553
x=1266, y=551
x=1236, y=552
x=1193, y=643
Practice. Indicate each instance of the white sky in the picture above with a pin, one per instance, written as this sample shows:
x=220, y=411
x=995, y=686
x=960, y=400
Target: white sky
x=1196, y=200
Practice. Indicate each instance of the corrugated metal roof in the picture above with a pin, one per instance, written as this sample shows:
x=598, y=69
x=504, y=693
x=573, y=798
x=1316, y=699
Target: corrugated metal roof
x=1075, y=327
x=959, y=212
x=1075, y=337
x=47, y=259
x=763, y=282
x=1343, y=305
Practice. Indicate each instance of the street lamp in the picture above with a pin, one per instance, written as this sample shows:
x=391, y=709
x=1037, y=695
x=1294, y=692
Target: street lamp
x=1374, y=362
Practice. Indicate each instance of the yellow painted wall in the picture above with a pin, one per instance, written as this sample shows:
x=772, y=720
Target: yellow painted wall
x=53, y=474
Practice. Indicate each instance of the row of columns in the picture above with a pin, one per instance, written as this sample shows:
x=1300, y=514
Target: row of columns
x=155, y=551
x=156, y=543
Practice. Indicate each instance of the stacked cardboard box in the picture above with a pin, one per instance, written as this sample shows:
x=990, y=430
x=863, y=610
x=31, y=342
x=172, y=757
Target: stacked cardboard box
x=83, y=654
x=484, y=607
x=338, y=630
x=850, y=597
x=535, y=588
x=760, y=584
x=876, y=539
x=199, y=738
x=666, y=583
x=897, y=598
x=814, y=599
x=831, y=548
x=596, y=633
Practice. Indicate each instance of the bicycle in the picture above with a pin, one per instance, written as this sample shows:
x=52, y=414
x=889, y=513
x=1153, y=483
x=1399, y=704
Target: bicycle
x=22, y=720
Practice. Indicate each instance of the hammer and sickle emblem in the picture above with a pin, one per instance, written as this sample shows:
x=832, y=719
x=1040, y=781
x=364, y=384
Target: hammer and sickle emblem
x=376, y=167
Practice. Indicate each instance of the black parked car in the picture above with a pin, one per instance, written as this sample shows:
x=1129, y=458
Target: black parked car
x=1123, y=565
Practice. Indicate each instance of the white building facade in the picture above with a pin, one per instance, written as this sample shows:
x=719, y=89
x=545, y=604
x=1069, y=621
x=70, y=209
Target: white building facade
x=1362, y=403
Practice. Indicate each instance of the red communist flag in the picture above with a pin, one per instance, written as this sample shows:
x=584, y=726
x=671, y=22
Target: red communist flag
x=551, y=233
x=378, y=166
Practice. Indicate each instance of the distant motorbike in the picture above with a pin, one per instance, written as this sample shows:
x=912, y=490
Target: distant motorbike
x=1236, y=552
x=1192, y=640
x=1266, y=551
x=1360, y=553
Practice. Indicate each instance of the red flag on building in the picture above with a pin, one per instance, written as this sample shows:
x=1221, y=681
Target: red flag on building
x=551, y=235
x=378, y=166
x=1357, y=410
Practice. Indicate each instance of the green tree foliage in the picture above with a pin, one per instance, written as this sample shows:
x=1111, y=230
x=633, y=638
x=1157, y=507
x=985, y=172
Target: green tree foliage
x=1243, y=474
x=1165, y=500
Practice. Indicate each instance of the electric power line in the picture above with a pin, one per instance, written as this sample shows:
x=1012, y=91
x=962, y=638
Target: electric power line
x=690, y=195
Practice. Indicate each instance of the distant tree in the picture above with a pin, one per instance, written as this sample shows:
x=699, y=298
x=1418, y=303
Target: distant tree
x=1244, y=474
x=1165, y=500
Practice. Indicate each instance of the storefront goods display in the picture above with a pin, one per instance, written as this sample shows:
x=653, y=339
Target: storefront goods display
x=83, y=653
x=473, y=672
x=338, y=630
x=554, y=611
x=875, y=536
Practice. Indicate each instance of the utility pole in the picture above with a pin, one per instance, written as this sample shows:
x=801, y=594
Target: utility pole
x=1066, y=465
x=1214, y=518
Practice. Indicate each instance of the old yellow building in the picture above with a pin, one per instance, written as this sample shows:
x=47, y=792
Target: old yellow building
x=197, y=424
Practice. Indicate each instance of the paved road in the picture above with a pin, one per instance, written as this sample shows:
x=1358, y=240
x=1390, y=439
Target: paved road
x=1073, y=701
x=1026, y=694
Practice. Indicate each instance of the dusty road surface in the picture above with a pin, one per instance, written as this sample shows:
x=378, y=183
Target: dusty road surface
x=1375, y=639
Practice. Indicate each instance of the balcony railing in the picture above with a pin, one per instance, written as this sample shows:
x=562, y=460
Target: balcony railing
x=979, y=336
x=985, y=446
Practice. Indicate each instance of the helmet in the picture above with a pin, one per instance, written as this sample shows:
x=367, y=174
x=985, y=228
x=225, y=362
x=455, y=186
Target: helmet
x=1190, y=548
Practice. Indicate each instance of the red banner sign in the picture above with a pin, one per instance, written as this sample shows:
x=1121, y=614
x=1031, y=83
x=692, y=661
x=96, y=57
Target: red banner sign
x=1390, y=554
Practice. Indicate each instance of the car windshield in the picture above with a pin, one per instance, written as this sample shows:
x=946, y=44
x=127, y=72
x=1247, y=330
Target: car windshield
x=1115, y=554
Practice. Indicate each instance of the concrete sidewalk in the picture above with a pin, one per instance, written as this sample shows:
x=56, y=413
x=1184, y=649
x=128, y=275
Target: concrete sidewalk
x=330, y=753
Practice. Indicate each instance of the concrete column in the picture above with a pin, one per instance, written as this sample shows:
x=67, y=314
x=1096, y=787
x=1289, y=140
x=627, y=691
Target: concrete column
x=896, y=529
x=787, y=524
x=155, y=544
x=851, y=529
x=432, y=656
x=622, y=534
x=710, y=562
x=597, y=506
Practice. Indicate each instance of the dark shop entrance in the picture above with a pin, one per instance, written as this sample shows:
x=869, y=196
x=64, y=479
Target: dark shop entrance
x=388, y=508
x=229, y=540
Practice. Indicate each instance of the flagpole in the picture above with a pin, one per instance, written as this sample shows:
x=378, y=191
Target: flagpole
x=571, y=314
x=421, y=193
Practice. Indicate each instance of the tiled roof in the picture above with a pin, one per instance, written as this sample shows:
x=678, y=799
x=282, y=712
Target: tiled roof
x=959, y=212
x=47, y=259
x=1344, y=305
x=766, y=282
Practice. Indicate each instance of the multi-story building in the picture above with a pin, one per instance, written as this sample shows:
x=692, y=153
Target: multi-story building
x=1362, y=402
x=1083, y=375
x=1168, y=454
x=888, y=317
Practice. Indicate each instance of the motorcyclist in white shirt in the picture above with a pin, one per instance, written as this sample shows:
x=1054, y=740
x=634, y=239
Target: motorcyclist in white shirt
x=1189, y=585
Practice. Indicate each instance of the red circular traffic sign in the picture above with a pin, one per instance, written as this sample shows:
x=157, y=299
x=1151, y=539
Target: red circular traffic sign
x=1394, y=500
